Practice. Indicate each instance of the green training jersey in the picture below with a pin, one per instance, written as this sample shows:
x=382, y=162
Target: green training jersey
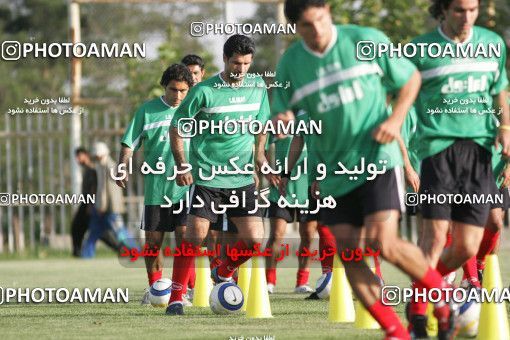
x=296, y=189
x=149, y=127
x=214, y=101
x=349, y=97
x=311, y=159
x=455, y=100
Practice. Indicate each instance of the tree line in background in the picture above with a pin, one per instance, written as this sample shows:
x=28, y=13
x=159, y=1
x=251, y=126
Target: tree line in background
x=134, y=81
x=137, y=80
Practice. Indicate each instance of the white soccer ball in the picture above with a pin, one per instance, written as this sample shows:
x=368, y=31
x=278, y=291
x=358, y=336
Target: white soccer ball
x=159, y=293
x=226, y=298
x=469, y=317
x=323, y=286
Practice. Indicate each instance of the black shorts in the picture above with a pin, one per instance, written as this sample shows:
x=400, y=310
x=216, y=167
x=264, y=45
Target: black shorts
x=290, y=215
x=463, y=168
x=224, y=224
x=156, y=218
x=382, y=193
x=312, y=206
x=503, y=194
x=411, y=210
x=218, y=196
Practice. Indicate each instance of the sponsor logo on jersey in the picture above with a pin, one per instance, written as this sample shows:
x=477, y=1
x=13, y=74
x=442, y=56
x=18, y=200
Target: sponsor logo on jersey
x=324, y=70
x=469, y=85
x=236, y=100
x=343, y=95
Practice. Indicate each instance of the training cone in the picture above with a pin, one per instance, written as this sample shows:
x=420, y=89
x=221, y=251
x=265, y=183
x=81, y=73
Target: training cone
x=203, y=283
x=363, y=318
x=244, y=281
x=493, y=316
x=431, y=320
x=341, y=307
x=258, y=299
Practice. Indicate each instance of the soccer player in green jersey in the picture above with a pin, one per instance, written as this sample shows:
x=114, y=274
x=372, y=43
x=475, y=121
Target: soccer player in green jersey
x=195, y=65
x=222, y=232
x=348, y=95
x=457, y=106
x=473, y=268
x=149, y=126
x=215, y=181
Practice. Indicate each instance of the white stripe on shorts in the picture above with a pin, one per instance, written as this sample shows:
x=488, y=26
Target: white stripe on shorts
x=400, y=189
x=191, y=191
x=225, y=222
x=142, y=223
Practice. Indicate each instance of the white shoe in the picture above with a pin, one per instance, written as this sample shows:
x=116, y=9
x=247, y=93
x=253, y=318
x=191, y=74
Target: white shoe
x=145, y=297
x=186, y=302
x=189, y=295
x=304, y=289
x=450, y=277
x=270, y=288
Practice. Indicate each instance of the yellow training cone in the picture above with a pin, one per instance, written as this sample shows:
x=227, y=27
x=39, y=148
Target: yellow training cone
x=363, y=318
x=431, y=321
x=244, y=282
x=341, y=308
x=203, y=283
x=258, y=299
x=493, y=316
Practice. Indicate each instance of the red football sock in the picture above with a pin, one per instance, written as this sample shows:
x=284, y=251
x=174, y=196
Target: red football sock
x=153, y=277
x=326, y=243
x=389, y=321
x=271, y=275
x=442, y=269
x=434, y=279
x=489, y=241
x=302, y=277
x=215, y=263
x=192, y=275
x=181, y=274
x=377, y=265
x=448, y=240
x=418, y=306
x=227, y=268
x=470, y=272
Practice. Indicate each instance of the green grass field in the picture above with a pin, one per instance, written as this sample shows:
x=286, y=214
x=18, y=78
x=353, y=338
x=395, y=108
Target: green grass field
x=293, y=317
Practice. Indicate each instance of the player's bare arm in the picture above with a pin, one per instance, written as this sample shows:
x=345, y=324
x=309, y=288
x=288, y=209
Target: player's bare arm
x=390, y=129
x=125, y=154
x=177, y=145
x=503, y=137
x=260, y=153
x=296, y=147
x=285, y=117
x=505, y=176
x=273, y=179
x=412, y=178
